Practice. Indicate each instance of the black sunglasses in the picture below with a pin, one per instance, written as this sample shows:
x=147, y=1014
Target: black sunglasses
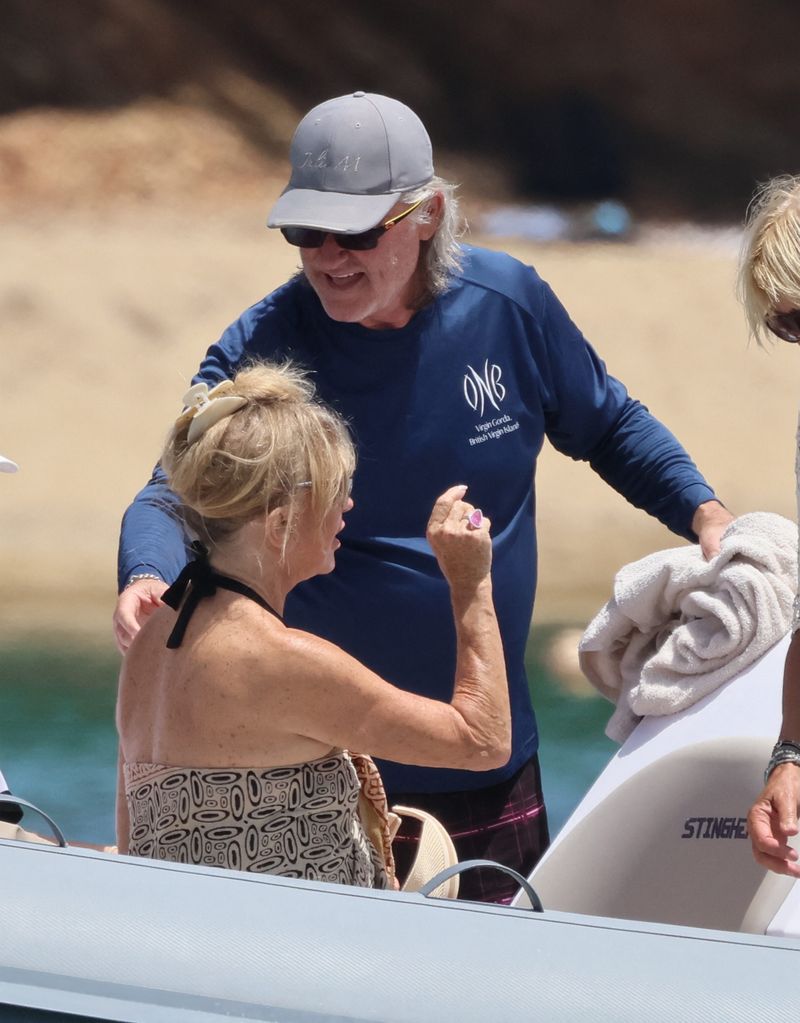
x=312, y=238
x=786, y=326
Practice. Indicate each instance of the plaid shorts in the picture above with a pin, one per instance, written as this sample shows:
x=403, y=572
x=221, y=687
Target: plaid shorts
x=506, y=823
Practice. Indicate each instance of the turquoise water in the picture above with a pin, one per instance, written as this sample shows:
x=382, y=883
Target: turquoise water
x=58, y=741
x=58, y=744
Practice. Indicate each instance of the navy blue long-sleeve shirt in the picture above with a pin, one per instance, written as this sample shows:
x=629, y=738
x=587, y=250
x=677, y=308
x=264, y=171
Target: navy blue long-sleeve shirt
x=466, y=392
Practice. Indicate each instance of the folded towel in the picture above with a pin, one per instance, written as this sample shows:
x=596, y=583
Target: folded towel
x=678, y=626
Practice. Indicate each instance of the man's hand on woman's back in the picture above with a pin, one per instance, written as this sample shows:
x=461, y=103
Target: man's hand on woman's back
x=134, y=606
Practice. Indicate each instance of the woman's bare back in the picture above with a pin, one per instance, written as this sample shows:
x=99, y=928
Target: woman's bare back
x=212, y=702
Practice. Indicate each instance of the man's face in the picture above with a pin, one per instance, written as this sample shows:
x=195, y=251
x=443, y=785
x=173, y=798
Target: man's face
x=376, y=287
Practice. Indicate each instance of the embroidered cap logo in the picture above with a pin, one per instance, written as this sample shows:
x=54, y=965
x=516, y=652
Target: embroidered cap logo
x=346, y=163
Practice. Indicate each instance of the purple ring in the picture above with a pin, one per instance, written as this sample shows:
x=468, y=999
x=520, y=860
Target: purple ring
x=475, y=519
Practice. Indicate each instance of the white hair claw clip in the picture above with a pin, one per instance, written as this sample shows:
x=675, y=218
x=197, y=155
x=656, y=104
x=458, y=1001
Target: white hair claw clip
x=209, y=409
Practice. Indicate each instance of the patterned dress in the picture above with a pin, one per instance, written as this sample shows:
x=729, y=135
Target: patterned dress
x=298, y=821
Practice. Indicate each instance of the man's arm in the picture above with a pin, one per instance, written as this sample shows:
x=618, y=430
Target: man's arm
x=642, y=460
x=153, y=543
x=152, y=551
x=591, y=416
x=152, y=538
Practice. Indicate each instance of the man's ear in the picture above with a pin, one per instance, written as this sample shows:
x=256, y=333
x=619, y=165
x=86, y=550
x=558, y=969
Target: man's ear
x=435, y=209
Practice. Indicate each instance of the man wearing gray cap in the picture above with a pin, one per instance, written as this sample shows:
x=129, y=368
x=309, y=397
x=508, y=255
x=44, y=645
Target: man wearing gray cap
x=452, y=364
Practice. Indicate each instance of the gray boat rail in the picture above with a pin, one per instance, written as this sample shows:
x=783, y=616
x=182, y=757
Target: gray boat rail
x=86, y=935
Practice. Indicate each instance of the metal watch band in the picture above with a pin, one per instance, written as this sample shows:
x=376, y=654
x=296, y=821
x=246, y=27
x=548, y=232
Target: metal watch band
x=142, y=575
x=786, y=751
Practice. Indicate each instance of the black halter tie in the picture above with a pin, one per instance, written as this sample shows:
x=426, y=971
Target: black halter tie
x=204, y=583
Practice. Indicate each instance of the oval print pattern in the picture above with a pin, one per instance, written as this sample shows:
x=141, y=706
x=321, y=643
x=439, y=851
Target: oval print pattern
x=298, y=821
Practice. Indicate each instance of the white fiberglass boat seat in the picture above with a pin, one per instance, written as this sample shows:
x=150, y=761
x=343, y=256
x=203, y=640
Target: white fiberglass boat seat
x=662, y=834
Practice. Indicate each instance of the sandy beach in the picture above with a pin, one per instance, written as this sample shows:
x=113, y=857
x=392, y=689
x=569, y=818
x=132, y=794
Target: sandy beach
x=105, y=316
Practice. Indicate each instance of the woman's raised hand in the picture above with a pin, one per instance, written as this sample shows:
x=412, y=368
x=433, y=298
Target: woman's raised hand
x=458, y=533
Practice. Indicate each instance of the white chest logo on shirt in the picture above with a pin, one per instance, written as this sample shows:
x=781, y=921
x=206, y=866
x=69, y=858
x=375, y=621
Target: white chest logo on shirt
x=480, y=388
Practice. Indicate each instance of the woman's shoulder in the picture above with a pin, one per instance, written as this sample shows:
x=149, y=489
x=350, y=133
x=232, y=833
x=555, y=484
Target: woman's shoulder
x=291, y=655
x=245, y=644
x=300, y=647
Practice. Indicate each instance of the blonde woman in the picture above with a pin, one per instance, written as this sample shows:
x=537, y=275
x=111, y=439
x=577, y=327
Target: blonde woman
x=235, y=730
x=769, y=286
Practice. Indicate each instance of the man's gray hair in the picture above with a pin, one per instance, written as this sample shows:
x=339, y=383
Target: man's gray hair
x=442, y=255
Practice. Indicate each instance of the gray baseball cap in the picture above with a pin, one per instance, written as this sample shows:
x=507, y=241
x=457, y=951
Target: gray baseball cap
x=6, y=465
x=351, y=158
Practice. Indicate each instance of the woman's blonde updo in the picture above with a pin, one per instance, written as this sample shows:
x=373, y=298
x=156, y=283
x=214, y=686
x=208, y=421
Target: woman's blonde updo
x=769, y=264
x=280, y=448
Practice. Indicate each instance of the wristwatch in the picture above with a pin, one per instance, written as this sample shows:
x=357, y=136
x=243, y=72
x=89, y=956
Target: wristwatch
x=786, y=751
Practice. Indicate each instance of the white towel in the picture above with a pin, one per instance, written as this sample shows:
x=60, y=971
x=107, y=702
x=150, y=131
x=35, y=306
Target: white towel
x=678, y=626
